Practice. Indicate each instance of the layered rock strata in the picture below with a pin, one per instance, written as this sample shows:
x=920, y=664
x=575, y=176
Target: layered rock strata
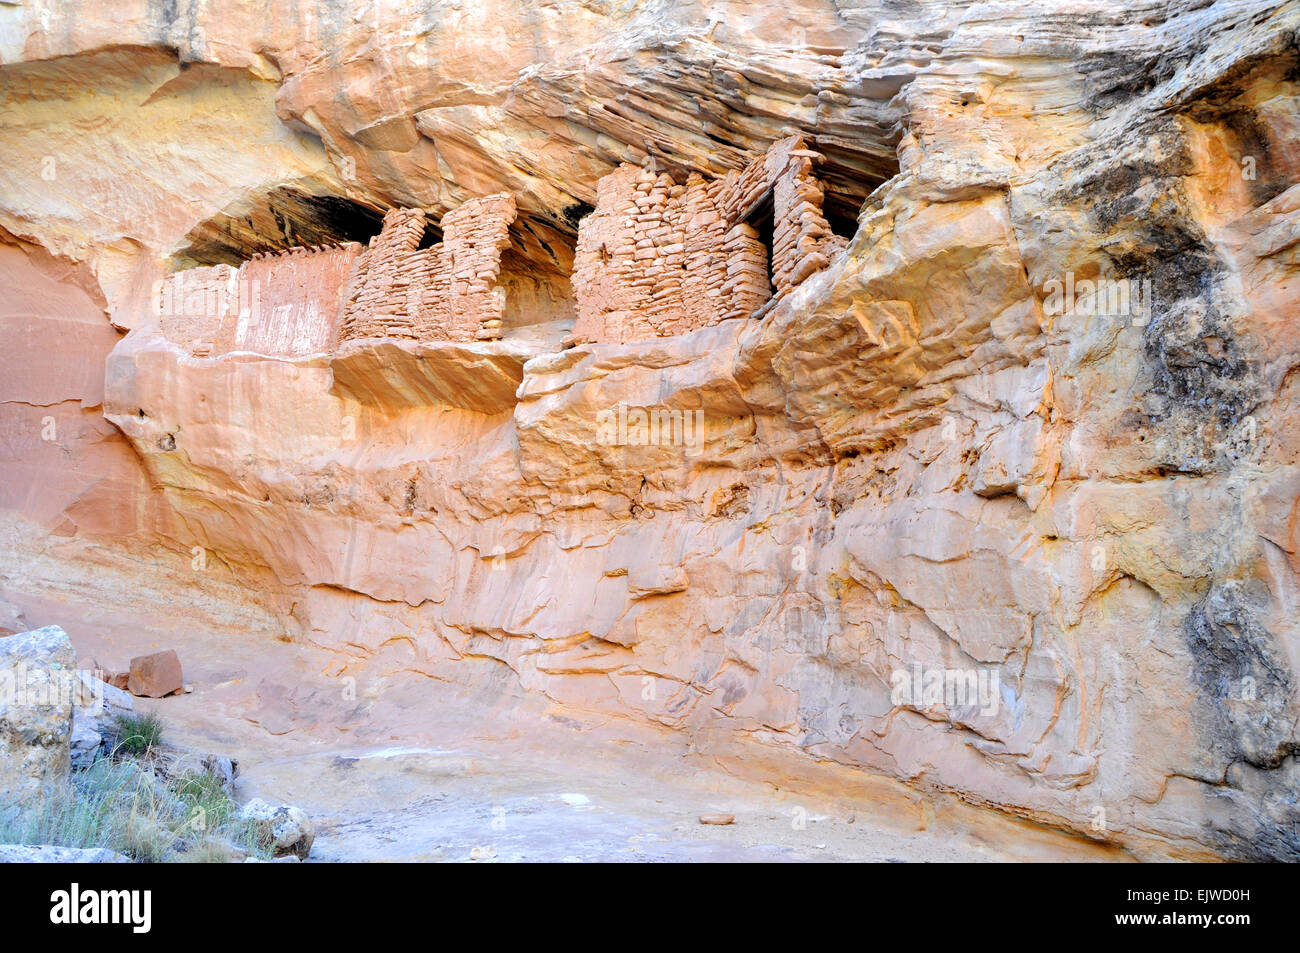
x=1031, y=434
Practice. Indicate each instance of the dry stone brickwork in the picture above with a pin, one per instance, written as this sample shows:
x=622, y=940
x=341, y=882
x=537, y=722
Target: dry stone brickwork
x=308, y=300
x=446, y=292
x=802, y=241
x=657, y=258
x=301, y=290
x=654, y=259
x=284, y=304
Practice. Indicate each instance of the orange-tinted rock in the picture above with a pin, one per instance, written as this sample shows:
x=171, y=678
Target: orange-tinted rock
x=156, y=675
x=918, y=462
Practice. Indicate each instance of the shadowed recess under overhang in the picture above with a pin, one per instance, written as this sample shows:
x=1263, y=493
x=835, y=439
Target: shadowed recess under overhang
x=284, y=217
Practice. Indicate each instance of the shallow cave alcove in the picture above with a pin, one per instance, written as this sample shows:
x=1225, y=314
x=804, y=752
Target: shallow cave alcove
x=284, y=217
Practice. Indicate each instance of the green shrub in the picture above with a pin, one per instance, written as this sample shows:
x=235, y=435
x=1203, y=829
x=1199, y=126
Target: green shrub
x=136, y=734
x=211, y=814
x=205, y=798
x=122, y=806
x=108, y=805
x=208, y=852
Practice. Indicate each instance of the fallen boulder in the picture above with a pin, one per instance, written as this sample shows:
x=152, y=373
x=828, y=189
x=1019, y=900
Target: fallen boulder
x=85, y=741
x=96, y=705
x=176, y=764
x=36, y=695
x=718, y=820
x=224, y=769
x=285, y=829
x=48, y=854
x=104, y=674
x=156, y=675
x=99, y=700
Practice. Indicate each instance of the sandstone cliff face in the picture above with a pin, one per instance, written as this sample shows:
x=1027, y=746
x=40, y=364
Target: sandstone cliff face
x=940, y=454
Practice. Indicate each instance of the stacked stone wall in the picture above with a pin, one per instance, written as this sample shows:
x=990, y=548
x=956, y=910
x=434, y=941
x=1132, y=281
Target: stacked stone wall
x=658, y=258
x=285, y=304
x=446, y=292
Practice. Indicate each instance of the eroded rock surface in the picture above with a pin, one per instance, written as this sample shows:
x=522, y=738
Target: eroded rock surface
x=45, y=854
x=36, y=701
x=1034, y=425
x=284, y=828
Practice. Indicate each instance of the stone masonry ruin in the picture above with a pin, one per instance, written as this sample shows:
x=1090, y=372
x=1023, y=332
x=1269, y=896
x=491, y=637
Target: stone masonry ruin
x=310, y=300
x=447, y=292
x=284, y=304
x=655, y=258
x=658, y=258
x=923, y=467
